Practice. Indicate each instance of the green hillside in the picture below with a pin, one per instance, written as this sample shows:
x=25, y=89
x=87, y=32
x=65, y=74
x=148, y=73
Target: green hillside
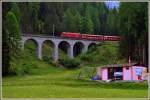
x=104, y=53
x=29, y=64
x=44, y=79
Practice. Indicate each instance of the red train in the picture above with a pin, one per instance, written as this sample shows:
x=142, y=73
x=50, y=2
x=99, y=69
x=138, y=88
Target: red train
x=89, y=36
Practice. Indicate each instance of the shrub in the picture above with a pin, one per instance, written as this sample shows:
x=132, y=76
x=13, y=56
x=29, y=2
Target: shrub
x=92, y=49
x=69, y=63
x=21, y=65
x=19, y=68
x=26, y=68
x=47, y=59
x=14, y=69
x=85, y=58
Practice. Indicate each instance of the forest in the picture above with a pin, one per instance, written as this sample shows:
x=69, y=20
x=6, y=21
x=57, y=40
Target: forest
x=129, y=20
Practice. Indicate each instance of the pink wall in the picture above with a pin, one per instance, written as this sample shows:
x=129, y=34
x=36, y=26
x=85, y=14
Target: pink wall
x=130, y=74
x=127, y=73
x=135, y=77
x=104, y=74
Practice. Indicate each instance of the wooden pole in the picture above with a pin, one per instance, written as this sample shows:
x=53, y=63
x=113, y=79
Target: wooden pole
x=53, y=29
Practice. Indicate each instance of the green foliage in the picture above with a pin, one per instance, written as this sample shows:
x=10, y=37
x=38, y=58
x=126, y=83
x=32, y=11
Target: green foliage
x=39, y=18
x=70, y=63
x=88, y=25
x=85, y=58
x=134, y=30
x=113, y=21
x=103, y=13
x=30, y=47
x=69, y=21
x=27, y=62
x=34, y=16
x=12, y=30
x=87, y=21
x=24, y=63
x=47, y=52
x=107, y=53
x=87, y=72
x=78, y=22
x=96, y=23
x=18, y=67
x=16, y=10
x=47, y=59
x=51, y=15
x=12, y=25
x=12, y=34
x=14, y=69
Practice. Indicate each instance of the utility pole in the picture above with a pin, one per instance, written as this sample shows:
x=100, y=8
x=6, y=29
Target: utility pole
x=143, y=55
x=53, y=30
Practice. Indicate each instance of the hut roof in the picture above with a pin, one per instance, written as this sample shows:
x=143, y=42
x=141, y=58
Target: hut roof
x=118, y=65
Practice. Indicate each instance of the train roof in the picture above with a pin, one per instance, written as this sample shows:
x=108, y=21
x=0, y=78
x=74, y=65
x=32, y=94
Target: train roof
x=90, y=34
x=71, y=33
x=93, y=34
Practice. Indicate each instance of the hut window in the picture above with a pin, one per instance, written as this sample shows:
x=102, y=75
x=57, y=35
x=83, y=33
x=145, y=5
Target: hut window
x=127, y=68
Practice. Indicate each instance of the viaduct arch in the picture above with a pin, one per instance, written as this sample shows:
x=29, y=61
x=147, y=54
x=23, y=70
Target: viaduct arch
x=71, y=47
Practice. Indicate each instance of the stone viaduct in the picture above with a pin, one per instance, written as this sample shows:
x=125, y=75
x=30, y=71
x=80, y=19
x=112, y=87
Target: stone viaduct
x=70, y=45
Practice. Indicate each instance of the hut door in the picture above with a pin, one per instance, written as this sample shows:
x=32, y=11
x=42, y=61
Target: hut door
x=110, y=73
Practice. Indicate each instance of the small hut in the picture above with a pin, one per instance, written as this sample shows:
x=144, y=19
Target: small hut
x=126, y=72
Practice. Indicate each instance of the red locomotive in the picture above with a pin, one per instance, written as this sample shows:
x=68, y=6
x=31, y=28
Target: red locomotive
x=89, y=36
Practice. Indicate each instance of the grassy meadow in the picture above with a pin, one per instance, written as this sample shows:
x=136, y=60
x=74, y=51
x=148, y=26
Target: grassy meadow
x=45, y=80
x=61, y=83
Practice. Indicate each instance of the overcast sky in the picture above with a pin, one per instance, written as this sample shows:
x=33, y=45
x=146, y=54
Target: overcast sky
x=112, y=4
